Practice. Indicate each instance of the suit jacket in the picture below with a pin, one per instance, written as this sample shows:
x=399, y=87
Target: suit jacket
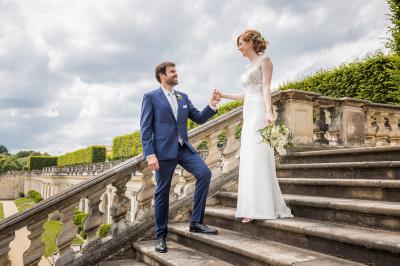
x=158, y=127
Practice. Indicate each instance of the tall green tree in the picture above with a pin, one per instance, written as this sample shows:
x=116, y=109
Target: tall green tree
x=3, y=149
x=394, y=42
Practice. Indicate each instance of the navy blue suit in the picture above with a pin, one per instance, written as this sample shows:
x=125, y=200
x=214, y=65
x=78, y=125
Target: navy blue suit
x=159, y=132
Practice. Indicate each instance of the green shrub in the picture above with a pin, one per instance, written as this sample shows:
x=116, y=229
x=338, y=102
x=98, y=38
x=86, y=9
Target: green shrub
x=40, y=162
x=127, y=146
x=91, y=154
x=238, y=131
x=79, y=218
x=21, y=194
x=104, y=230
x=222, y=139
x=35, y=196
x=375, y=78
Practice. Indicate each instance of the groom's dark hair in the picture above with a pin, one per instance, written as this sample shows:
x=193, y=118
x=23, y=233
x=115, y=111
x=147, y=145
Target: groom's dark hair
x=161, y=69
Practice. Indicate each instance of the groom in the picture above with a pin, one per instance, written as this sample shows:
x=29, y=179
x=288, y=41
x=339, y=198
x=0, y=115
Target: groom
x=163, y=129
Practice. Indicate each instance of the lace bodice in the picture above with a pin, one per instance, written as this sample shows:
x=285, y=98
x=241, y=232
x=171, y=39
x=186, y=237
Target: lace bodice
x=251, y=79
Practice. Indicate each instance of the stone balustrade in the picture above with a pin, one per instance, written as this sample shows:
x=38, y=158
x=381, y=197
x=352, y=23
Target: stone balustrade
x=122, y=194
x=317, y=119
x=79, y=170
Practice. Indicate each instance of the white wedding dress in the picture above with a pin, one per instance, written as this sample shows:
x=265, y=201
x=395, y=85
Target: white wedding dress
x=259, y=195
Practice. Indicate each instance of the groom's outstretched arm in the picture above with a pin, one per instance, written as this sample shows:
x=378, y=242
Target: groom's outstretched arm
x=146, y=126
x=200, y=117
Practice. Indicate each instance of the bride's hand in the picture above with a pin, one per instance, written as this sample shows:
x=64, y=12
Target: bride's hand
x=218, y=92
x=269, y=118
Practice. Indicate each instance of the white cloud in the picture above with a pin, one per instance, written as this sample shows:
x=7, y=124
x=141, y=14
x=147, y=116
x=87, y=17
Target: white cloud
x=72, y=73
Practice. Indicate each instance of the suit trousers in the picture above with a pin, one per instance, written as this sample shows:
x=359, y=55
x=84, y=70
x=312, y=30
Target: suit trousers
x=194, y=164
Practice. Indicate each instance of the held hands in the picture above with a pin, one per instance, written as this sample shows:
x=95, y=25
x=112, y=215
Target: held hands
x=152, y=162
x=215, y=98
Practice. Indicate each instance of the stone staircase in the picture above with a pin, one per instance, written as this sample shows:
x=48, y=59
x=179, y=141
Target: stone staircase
x=346, y=204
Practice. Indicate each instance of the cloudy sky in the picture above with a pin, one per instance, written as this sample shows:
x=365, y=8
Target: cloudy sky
x=73, y=72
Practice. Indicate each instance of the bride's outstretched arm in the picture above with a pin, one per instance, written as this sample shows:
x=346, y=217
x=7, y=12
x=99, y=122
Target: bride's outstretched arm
x=267, y=68
x=239, y=96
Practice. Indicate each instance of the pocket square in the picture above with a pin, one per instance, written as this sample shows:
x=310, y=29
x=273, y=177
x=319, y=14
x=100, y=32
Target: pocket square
x=185, y=106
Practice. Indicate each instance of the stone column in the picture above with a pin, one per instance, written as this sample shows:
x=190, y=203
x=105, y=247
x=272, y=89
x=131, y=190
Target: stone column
x=298, y=116
x=352, y=128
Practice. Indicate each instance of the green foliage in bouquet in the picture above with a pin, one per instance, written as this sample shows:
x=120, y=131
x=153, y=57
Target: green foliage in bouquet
x=279, y=137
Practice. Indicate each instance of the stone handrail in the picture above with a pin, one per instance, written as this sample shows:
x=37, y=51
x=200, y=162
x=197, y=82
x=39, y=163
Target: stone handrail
x=122, y=195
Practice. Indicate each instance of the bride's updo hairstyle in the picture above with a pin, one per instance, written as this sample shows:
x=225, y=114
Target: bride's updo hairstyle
x=255, y=37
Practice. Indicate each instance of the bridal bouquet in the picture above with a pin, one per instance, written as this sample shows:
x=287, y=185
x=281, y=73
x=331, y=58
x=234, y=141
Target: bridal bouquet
x=279, y=137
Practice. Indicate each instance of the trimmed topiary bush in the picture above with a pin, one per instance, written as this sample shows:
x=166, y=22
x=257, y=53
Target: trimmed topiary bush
x=127, y=146
x=40, y=162
x=91, y=154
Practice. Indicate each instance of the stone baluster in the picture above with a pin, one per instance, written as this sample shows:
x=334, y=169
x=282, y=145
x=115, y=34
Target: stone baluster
x=214, y=158
x=334, y=125
x=34, y=253
x=229, y=160
x=93, y=221
x=141, y=188
x=370, y=128
x=394, y=134
x=185, y=184
x=320, y=126
x=5, y=240
x=120, y=207
x=382, y=134
x=66, y=236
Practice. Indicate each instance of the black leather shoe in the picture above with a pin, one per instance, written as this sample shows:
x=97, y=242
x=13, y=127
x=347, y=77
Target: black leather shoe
x=161, y=245
x=202, y=228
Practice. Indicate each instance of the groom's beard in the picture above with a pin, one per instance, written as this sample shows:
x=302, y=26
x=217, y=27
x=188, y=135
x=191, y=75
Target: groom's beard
x=172, y=81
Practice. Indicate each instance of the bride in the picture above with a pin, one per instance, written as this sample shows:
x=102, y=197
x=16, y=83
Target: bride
x=259, y=195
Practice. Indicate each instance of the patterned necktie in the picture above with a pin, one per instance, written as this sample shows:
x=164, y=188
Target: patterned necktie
x=174, y=106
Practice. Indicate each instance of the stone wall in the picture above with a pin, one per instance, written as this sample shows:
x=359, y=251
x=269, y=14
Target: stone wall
x=11, y=184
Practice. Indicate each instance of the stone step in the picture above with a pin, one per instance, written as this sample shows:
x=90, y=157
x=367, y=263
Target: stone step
x=242, y=249
x=355, y=170
x=129, y=262
x=364, y=154
x=177, y=255
x=365, y=245
x=367, y=213
x=385, y=190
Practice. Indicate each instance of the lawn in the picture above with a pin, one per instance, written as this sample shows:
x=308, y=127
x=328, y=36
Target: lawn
x=51, y=230
x=1, y=211
x=24, y=203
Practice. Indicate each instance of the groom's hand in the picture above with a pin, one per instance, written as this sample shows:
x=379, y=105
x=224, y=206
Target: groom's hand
x=215, y=98
x=152, y=162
